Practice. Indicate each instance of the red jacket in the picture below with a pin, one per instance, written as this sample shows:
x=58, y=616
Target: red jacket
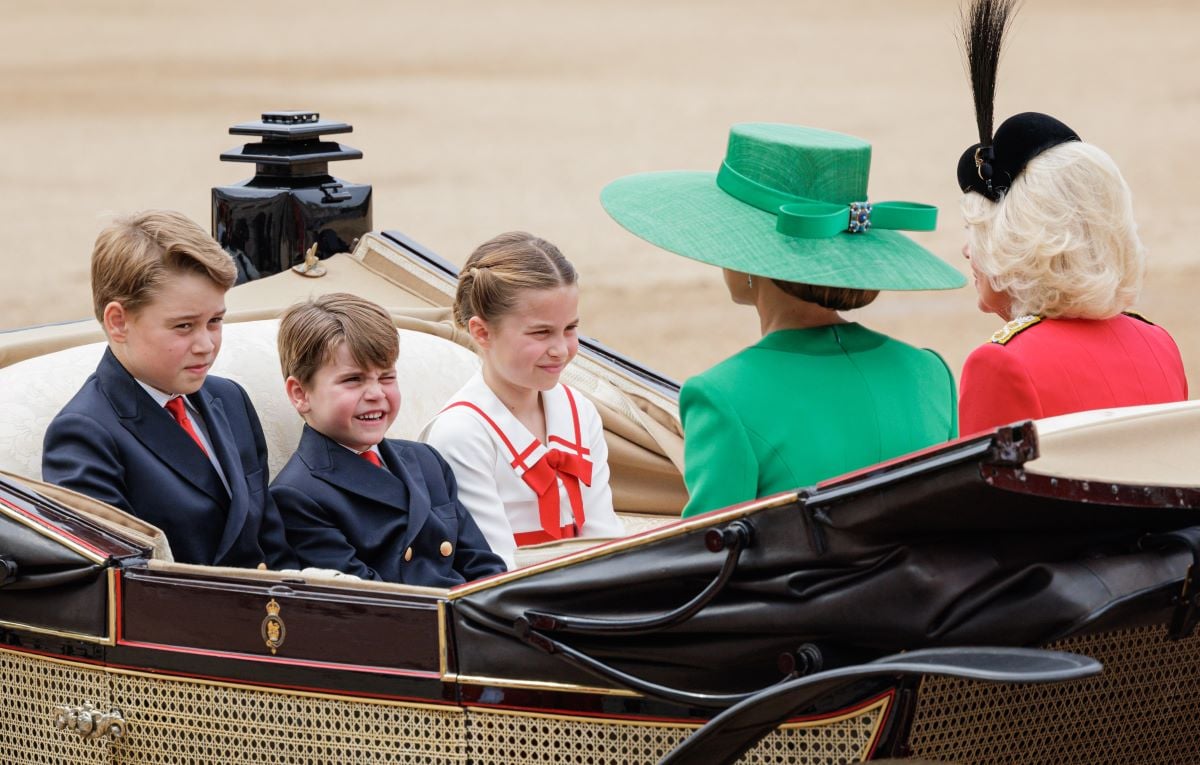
x=1044, y=367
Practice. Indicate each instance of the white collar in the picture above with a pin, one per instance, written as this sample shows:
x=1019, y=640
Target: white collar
x=560, y=425
x=374, y=448
x=161, y=398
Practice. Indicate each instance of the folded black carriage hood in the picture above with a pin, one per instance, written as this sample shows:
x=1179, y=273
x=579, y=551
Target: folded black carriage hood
x=54, y=563
x=959, y=545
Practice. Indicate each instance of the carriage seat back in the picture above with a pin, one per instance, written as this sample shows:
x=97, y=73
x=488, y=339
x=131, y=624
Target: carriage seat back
x=430, y=370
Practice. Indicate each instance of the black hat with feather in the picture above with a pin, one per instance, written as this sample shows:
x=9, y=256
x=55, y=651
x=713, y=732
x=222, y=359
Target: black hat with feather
x=990, y=166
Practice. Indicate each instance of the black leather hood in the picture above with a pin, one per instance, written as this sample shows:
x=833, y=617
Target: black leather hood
x=932, y=551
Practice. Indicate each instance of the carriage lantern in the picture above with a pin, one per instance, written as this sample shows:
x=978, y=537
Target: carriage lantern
x=268, y=222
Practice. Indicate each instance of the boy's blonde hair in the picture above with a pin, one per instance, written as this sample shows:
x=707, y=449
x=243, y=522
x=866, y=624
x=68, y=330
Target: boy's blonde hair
x=311, y=332
x=502, y=266
x=1062, y=243
x=136, y=253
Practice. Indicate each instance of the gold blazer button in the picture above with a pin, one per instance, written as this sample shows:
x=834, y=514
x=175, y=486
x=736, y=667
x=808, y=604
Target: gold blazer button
x=408, y=555
x=446, y=549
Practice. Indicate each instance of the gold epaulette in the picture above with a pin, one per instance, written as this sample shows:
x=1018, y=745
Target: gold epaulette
x=1138, y=316
x=1014, y=328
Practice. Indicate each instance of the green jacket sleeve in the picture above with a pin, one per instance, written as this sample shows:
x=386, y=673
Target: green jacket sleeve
x=719, y=466
x=953, y=389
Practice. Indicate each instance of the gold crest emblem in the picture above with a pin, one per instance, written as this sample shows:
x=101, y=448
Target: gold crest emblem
x=273, y=629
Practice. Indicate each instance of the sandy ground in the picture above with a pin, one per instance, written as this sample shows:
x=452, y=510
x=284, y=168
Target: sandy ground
x=476, y=118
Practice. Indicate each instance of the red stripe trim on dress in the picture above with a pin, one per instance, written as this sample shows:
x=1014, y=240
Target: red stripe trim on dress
x=554, y=467
x=490, y=421
x=574, y=417
x=537, y=537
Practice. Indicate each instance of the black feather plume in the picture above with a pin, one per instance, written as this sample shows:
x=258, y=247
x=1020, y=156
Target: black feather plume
x=984, y=23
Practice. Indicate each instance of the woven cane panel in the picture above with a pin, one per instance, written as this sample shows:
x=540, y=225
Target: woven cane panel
x=499, y=738
x=1144, y=708
x=31, y=689
x=174, y=722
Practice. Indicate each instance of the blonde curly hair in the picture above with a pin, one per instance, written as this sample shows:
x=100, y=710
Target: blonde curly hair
x=1062, y=243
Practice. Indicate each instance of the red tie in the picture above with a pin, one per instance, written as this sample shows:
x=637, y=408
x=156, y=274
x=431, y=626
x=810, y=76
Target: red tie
x=175, y=407
x=371, y=457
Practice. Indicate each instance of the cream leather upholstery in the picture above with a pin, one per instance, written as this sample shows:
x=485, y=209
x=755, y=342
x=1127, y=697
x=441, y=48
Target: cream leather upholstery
x=34, y=390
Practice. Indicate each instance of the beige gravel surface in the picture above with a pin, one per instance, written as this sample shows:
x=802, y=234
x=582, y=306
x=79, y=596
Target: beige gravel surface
x=479, y=117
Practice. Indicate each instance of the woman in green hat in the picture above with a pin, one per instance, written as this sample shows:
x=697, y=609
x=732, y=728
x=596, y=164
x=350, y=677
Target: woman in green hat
x=786, y=218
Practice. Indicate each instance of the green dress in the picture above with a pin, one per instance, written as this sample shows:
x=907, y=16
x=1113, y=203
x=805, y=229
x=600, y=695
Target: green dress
x=803, y=405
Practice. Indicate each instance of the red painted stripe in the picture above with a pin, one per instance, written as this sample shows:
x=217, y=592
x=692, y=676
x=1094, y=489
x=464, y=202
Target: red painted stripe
x=119, y=606
x=238, y=681
x=47, y=525
x=890, y=694
x=307, y=663
x=887, y=713
x=911, y=456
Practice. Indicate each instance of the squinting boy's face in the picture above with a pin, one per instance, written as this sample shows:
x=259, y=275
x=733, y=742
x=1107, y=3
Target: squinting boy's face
x=529, y=347
x=172, y=341
x=351, y=404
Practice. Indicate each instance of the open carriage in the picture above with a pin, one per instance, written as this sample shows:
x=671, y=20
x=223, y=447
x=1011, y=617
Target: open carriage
x=1076, y=532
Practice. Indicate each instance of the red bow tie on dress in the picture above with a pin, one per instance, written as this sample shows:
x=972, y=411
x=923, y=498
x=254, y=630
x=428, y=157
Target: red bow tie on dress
x=543, y=478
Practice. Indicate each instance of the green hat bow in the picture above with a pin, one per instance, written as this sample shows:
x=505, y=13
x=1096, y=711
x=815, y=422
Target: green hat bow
x=814, y=219
x=789, y=203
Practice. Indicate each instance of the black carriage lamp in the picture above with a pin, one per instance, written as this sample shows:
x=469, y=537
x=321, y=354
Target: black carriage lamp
x=267, y=223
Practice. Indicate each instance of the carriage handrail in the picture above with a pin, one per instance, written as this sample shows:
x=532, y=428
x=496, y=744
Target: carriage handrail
x=733, y=539
x=607, y=672
x=727, y=736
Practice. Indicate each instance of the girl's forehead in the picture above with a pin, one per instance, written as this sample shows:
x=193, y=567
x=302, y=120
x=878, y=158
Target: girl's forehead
x=552, y=305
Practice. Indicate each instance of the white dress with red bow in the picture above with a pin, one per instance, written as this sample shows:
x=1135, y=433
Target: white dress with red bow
x=520, y=491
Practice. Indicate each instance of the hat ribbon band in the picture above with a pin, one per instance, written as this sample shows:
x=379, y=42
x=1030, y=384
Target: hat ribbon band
x=813, y=219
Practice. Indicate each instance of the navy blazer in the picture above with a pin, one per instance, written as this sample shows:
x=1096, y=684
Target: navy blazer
x=404, y=524
x=112, y=441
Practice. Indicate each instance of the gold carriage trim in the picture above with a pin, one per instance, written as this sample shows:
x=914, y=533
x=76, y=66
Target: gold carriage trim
x=171, y=721
x=1014, y=328
x=110, y=621
x=715, y=518
x=504, y=737
x=52, y=533
x=537, y=685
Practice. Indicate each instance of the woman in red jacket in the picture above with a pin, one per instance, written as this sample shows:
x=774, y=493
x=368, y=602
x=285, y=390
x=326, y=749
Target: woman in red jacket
x=1054, y=250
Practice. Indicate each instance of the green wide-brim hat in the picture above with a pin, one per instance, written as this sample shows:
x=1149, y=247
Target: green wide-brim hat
x=788, y=203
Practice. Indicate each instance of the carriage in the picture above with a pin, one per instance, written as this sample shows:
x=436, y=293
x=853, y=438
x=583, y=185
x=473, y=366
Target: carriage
x=894, y=612
x=1078, y=533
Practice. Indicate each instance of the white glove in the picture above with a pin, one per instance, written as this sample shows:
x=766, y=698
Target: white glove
x=328, y=573
x=321, y=573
